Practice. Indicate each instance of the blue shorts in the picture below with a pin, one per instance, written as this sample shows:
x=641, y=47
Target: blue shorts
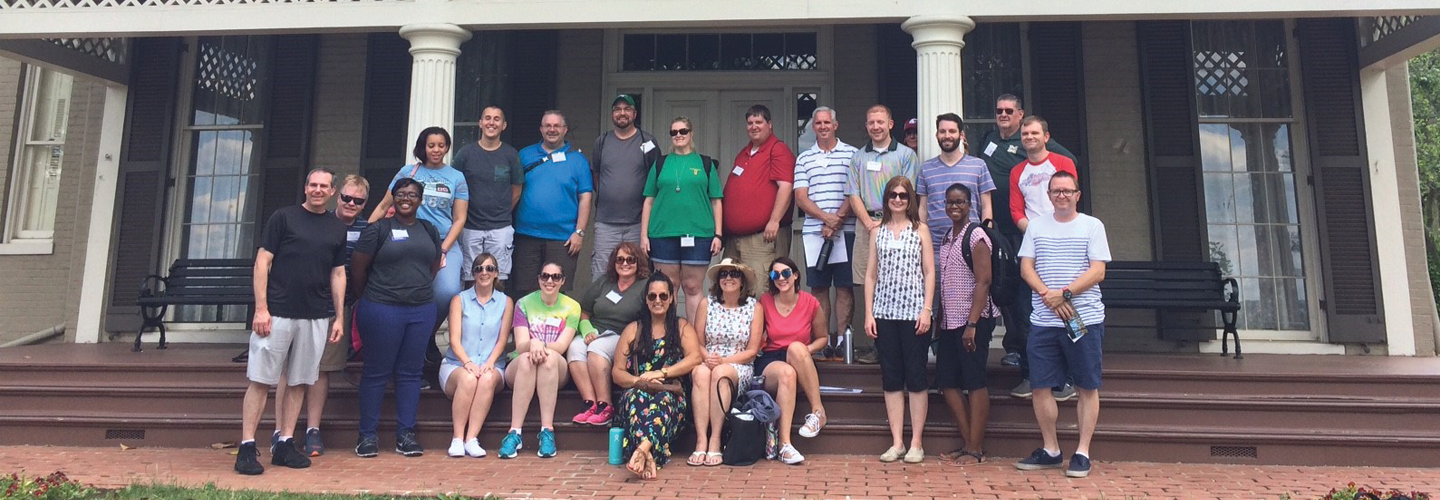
x=669, y=251
x=1053, y=356
x=838, y=274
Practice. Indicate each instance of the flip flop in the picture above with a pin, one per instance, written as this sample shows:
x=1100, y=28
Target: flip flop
x=952, y=455
x=696, y=459
x=714, y=458
x=959, y=462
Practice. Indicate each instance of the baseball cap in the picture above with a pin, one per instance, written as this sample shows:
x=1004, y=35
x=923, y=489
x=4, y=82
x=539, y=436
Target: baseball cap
x=913, y=124
x=624, y=97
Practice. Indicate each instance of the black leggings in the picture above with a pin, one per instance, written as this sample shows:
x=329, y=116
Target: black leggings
x=902, y=355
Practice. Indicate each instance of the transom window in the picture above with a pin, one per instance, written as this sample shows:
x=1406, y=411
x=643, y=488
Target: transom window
x=720, y=52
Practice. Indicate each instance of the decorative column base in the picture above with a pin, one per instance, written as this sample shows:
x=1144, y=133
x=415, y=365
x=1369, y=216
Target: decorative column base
x=434, y=48
x=938, y=41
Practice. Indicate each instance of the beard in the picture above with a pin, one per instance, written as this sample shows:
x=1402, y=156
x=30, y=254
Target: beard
x=621, y=122
x=949, y=145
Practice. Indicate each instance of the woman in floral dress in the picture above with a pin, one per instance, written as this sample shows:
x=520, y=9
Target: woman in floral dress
x=659, y=349
x=733, y=328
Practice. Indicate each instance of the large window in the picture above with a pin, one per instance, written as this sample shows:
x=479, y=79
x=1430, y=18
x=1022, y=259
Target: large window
x=34, y=187
x=1243, y=92
x=992, y=64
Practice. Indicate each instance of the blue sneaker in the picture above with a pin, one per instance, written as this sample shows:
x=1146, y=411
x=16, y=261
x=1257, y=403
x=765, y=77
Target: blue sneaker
x=547, y=444
x=510, y=446
x=1079, y=466
x=1041, y=459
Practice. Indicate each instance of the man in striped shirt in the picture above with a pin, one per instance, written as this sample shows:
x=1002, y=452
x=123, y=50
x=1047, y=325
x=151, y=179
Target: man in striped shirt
x=821, y=173
x=1063, y=259
x=953, y=166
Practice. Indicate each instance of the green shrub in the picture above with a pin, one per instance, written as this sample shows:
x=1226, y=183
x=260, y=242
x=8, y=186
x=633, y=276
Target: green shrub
x=52, y=487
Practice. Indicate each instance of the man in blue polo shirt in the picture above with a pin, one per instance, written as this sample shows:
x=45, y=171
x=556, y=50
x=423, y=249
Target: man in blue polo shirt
x=554, y=206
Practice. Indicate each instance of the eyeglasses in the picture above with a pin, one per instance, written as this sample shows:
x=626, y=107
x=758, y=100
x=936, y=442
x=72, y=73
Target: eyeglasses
x=679, y=131
x=345, y=198
x=407, y=195
x=557, y=277
x=778, y=275
x=1064, y=193
x=552, y=127
x=1005, y=111
x=627, y=260
x=657, y=297
x=899, y=195
x=730, y=274
x=619, y=109
x=957, y=203
x=485, y=268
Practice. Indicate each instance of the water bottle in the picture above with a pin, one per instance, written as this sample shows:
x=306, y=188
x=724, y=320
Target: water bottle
x=616, y=436
x=823, y=262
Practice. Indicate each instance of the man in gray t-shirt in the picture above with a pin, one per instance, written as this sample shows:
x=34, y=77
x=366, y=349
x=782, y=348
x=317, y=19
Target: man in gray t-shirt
x=494, y=174
x=619, y=164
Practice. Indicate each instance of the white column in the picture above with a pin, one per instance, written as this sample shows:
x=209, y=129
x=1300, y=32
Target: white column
x=938, y=40
x=94, y=282
x=1385, y=196
x=434, y=48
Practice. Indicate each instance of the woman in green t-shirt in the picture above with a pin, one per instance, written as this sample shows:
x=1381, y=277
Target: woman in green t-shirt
x=685, y=187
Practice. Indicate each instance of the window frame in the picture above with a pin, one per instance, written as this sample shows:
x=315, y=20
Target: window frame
x=16, y=239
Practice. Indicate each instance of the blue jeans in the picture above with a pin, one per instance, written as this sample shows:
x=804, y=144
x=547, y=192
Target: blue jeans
x=393, y=339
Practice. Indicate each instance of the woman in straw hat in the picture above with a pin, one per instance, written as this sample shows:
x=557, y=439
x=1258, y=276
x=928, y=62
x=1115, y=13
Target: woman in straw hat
x=731, y=327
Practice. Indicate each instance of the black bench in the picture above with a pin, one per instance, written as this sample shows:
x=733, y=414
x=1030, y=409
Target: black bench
x=1185, y=286
x=194, y=282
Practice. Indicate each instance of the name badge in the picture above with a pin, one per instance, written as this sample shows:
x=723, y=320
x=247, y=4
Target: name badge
x=738, y=170
x=552, y=322
x=352, y=235
x=434, y=191
x=687, y=241
x=990, y=149
x=613, y=296
x=647, y=146
x=1012, y=149
x=557, y=156
x=399, y=234
x=872, y=165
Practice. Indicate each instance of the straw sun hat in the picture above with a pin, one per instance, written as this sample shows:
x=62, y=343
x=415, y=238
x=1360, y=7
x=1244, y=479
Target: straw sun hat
x=728, y=263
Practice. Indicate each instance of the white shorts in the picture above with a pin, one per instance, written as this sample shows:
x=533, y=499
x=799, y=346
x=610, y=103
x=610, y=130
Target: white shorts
x=498, y=242
x=446, y=368
x=292, y=349
x=604, y=346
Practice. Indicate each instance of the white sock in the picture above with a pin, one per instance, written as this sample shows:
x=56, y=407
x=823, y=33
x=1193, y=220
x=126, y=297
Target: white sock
x=1086, y=455
x=247, y=441
x=286, y=438
x=1055, y=453
x=307, y=431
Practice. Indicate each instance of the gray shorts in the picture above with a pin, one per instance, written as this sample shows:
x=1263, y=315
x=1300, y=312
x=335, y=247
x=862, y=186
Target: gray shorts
x=292, y=349
x=607, y=237
x=604, y=346
x=498, y=242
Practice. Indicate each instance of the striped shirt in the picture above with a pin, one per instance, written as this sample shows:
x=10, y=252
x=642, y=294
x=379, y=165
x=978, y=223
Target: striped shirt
x=936, y=177
x=1062, y=252
x=871, y=169
x=824, y=175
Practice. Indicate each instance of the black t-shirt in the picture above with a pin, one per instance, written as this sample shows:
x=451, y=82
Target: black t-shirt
x=490, y=176
x=403, y=256
x=307, y=246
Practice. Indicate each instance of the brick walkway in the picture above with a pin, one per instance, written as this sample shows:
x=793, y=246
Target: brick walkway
x=585, y=474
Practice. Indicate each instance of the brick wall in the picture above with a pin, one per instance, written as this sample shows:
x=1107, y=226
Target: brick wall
x=1422, y=300
x=10, y=74
x=339, y=103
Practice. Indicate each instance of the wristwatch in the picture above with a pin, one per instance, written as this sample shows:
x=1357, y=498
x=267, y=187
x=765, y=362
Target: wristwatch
x=1066, y=293
x=665, y=372
x=580, y=232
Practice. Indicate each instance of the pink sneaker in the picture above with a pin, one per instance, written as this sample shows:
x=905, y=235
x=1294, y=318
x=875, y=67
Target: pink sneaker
x=585, y=416
x=603, y=416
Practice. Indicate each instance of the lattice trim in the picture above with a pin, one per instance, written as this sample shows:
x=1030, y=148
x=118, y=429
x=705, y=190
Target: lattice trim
x=1221, y=73
x=109, y=49
x=1381, y=27
x=81, y=4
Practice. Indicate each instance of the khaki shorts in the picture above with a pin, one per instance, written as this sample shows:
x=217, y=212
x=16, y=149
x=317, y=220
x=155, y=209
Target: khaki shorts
x=292, y=349
x=336, y=355
x=860, y=260
x=752, y=250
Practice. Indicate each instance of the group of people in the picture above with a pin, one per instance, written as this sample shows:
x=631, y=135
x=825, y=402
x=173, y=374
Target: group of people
x=490, y=243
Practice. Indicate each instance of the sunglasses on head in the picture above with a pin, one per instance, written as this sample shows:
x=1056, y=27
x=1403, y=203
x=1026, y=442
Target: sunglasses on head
x=552, y=277
x=628, y=260
x=345, y=198
x=657, y=297
x=488, y=268
x=786, y=274
x=679, y=131
x=899, y=195
x=730, y=273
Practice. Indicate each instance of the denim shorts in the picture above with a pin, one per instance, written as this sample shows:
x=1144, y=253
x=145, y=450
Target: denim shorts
x=837, y=274
x=669, y=251
x=1053, y=356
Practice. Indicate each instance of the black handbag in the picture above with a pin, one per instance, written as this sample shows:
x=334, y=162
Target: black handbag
x=743, y=437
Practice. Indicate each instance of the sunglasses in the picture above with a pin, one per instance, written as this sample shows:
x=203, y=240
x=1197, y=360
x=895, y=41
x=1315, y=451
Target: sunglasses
x=1004, y=111
x=786, y=274
x=730, y=273
x=487, y=268
x=657, y=297
x=899, y=195
x=627, y=260
x=557, y=277
x=679, y=131
x=345, y=198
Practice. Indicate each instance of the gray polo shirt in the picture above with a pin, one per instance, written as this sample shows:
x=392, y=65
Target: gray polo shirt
x=870, y=169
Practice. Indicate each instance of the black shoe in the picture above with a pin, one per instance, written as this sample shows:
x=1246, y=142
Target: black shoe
x=1079, y=466
x=1040, y=459
x=286, y=455
x=405, y=444
x=368, y=447
x=247, y=461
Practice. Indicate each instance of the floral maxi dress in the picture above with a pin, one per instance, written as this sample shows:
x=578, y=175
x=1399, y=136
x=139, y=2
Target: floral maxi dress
x=655, y=415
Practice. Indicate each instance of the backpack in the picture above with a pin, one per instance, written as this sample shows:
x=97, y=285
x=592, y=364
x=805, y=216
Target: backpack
x=707, y=161
x=651, y=156
x=1006, y=286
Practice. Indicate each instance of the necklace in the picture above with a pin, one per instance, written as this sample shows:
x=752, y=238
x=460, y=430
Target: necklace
x=677, y=179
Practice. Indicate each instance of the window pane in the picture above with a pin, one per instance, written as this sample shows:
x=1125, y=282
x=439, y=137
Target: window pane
x=1245, y=208
x=991, y=66
x=670, y=52
x=1260, y=308
x=1254, y=249
x=735, y=51
x=801, y=51
x=639, y=53
x=229, y=80
x=1293, y=305
x=1219, y=198
x=1215, y=147
x=1224, y=249
x=704, y=53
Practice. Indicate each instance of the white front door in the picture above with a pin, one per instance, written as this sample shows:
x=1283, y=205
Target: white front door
x=718, y=117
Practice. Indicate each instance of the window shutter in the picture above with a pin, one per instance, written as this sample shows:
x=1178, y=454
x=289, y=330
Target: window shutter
x=287, y=141
x=387, y=111
x=1330, y=74
x=144, y=174
x=530, y=83
x=897, y=71
x=1172, y=154
x=1059, y=97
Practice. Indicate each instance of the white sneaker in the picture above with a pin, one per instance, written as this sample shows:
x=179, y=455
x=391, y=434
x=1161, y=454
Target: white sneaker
x=473, y=449
x=457, y=448
x=790, y=456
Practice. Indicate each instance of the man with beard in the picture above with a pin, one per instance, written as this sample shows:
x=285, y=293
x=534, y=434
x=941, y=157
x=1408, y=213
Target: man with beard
x=953, y=166
x=619, y=165
x=494, y=175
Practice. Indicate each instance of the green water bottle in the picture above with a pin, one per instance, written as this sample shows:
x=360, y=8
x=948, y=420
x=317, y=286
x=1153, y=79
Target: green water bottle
x=616, y=435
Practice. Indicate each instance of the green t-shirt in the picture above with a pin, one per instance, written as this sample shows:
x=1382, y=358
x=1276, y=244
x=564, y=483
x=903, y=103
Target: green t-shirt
x=613, y=312
x=682, y=196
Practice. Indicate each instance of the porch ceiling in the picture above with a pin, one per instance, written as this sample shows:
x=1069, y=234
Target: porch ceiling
x=90, y=18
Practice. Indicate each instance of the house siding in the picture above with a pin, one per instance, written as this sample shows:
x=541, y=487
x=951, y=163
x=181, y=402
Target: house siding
x=340, y=104
x=856, y=81
x=1422, y=300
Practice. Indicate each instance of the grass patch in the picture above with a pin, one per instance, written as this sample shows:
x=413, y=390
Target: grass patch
x=211, y=492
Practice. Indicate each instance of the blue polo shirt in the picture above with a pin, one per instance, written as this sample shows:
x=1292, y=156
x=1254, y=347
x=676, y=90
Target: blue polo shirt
x=550, y=202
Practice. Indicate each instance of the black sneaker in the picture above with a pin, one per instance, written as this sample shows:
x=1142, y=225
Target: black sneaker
x=405, y=444
x=247, y=461
x=286, y=455
x=368, y=447
x=314, y=445
x=1040, y=459
x=1079, y=466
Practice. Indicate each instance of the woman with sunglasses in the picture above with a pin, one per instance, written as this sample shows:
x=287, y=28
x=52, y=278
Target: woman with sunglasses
x=544, y=324
x=445, y=204
x=610, y=303
x=732, y=328
x=394, y=264
x=659, y=349
x=967, y=318
x=794, y=332
x=899, y=285
x=684, y=187
x=474, y=370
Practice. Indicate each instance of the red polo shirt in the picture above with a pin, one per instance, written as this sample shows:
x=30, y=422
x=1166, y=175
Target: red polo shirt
x=750, y=190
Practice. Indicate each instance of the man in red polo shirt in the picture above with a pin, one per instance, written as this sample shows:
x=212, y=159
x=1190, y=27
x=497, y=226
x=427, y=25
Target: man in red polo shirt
x=757, y=195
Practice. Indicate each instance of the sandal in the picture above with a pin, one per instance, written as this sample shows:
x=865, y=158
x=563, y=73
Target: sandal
x=696, y=459
x=952, y=455
x=960, y=461
x=714, y=458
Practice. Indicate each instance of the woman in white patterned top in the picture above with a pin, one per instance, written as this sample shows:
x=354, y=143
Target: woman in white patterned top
x=899, y=285
x=732, y=327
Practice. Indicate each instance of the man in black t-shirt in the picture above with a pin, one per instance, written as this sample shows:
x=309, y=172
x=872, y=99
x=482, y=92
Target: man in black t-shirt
x=299, y=285
x=495, y=176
